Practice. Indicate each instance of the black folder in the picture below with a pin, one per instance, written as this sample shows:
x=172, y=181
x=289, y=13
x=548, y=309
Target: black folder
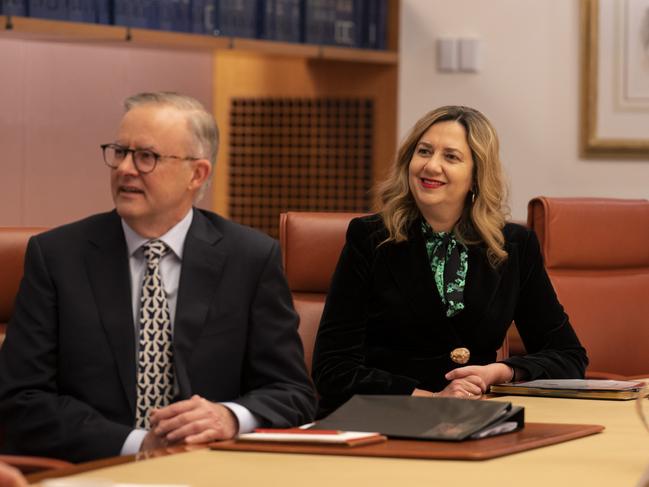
x=425, y=418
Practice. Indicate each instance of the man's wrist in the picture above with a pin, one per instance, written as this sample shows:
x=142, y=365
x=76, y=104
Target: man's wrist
x=133, y=442
x=246, y=421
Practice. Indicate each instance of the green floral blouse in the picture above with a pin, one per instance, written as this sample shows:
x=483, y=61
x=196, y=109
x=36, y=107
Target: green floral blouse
x=449, y=261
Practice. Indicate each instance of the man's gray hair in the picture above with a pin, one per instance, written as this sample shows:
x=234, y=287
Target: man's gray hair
x=201, y=122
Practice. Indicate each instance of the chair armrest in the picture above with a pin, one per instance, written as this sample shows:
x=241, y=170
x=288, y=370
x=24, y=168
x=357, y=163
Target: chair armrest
x=29, y=465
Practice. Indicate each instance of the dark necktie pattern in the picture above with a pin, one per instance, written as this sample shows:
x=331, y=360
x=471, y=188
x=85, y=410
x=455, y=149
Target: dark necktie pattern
x=155, y=376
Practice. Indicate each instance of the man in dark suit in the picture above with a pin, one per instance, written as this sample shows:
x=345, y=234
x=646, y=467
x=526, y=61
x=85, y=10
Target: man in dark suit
x=156, y=323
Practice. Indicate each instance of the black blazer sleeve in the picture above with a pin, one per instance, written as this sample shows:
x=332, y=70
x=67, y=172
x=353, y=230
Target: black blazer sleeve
x=339, y=368
x=40, y=419
x=554, y=351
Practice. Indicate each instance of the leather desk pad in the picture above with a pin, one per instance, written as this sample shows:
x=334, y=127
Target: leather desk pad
x=534, y=435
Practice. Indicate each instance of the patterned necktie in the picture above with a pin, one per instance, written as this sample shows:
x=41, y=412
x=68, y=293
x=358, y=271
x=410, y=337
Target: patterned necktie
x=155, y=376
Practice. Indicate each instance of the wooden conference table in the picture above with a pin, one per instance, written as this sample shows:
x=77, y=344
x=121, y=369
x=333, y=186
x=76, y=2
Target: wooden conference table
x=616, y=457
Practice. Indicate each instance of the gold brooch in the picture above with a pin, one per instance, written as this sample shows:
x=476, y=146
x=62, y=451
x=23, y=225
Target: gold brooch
x=460, y=355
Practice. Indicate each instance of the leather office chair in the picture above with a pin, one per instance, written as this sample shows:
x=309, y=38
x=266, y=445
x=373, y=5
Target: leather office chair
x=596, y=252
x=311, y=244
x=13, y=243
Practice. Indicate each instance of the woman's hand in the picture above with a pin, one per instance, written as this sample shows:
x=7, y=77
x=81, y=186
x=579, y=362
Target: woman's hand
x=423, y=393
x=466, y=386
x=488, y=375
x=470, y=387
x=471, y=382
x=11, y=477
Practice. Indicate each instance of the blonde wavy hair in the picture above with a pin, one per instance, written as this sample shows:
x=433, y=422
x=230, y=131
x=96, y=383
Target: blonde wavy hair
x=485, y=209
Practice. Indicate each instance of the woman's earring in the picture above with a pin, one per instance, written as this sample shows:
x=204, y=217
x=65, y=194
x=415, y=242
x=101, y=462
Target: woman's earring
x=472, y=197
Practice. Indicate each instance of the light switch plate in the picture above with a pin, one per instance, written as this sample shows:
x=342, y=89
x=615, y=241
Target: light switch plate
x=447, y=55
x=470, y=55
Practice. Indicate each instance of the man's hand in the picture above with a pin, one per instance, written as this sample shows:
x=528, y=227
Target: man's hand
x=153, y=442
x=194, y=420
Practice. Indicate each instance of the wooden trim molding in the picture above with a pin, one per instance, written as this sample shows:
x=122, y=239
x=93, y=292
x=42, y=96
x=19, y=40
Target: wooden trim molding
x=593, y=145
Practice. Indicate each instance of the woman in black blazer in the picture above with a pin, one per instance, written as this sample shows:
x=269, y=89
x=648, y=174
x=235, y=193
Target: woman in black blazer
x=425, y=291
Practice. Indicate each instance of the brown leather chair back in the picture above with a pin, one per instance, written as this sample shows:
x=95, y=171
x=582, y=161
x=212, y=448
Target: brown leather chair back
x=311, y=244
x=13, y=243
x=596, y=252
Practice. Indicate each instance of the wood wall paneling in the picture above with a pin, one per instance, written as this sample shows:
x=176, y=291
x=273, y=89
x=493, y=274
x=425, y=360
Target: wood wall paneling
x=252, y=75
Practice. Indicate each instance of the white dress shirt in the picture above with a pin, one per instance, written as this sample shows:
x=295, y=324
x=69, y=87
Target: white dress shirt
x=170, y=267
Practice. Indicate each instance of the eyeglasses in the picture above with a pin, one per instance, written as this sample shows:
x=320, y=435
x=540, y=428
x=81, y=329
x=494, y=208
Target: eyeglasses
x=145, y=160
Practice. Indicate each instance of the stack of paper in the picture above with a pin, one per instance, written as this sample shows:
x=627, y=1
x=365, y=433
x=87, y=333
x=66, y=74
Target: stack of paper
x=574, y=388
x=299, y=435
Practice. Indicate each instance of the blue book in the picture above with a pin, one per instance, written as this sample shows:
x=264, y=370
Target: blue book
x=374, y=25
x=13, y=7
x=103, y=10
x=203, y=16
x=137, y=13
x=122, y=12
x=319, y=21
x=48, y=9
x=369, y=24
x=381, y=24
x=348, y=23
x=237, y=18
x=82, y=10
x=166, y=20
x=174, y=15
x=335, y=22
x=266, y=19
x=288, y=20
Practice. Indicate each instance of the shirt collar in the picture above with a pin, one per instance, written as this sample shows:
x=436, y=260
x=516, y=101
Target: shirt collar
x=429, y=233
x=174, y=238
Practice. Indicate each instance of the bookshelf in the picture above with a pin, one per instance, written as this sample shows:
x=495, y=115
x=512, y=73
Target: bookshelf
x=266, y=71
x=28, y=28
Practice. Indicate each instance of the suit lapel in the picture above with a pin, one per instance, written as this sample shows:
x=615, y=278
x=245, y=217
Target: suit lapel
x=203, y=260
x=482, y=282
x=108, y=272
x=408, y=265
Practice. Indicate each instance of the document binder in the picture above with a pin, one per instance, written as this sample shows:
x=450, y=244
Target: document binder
x=425, y=418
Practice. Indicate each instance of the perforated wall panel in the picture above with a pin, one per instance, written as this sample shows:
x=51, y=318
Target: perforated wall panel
x=298, y=154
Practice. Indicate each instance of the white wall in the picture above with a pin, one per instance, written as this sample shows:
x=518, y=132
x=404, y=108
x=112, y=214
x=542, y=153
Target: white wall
x=528, y=87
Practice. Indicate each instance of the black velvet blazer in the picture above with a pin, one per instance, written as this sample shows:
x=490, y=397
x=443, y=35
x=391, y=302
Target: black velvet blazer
x=384, y=330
